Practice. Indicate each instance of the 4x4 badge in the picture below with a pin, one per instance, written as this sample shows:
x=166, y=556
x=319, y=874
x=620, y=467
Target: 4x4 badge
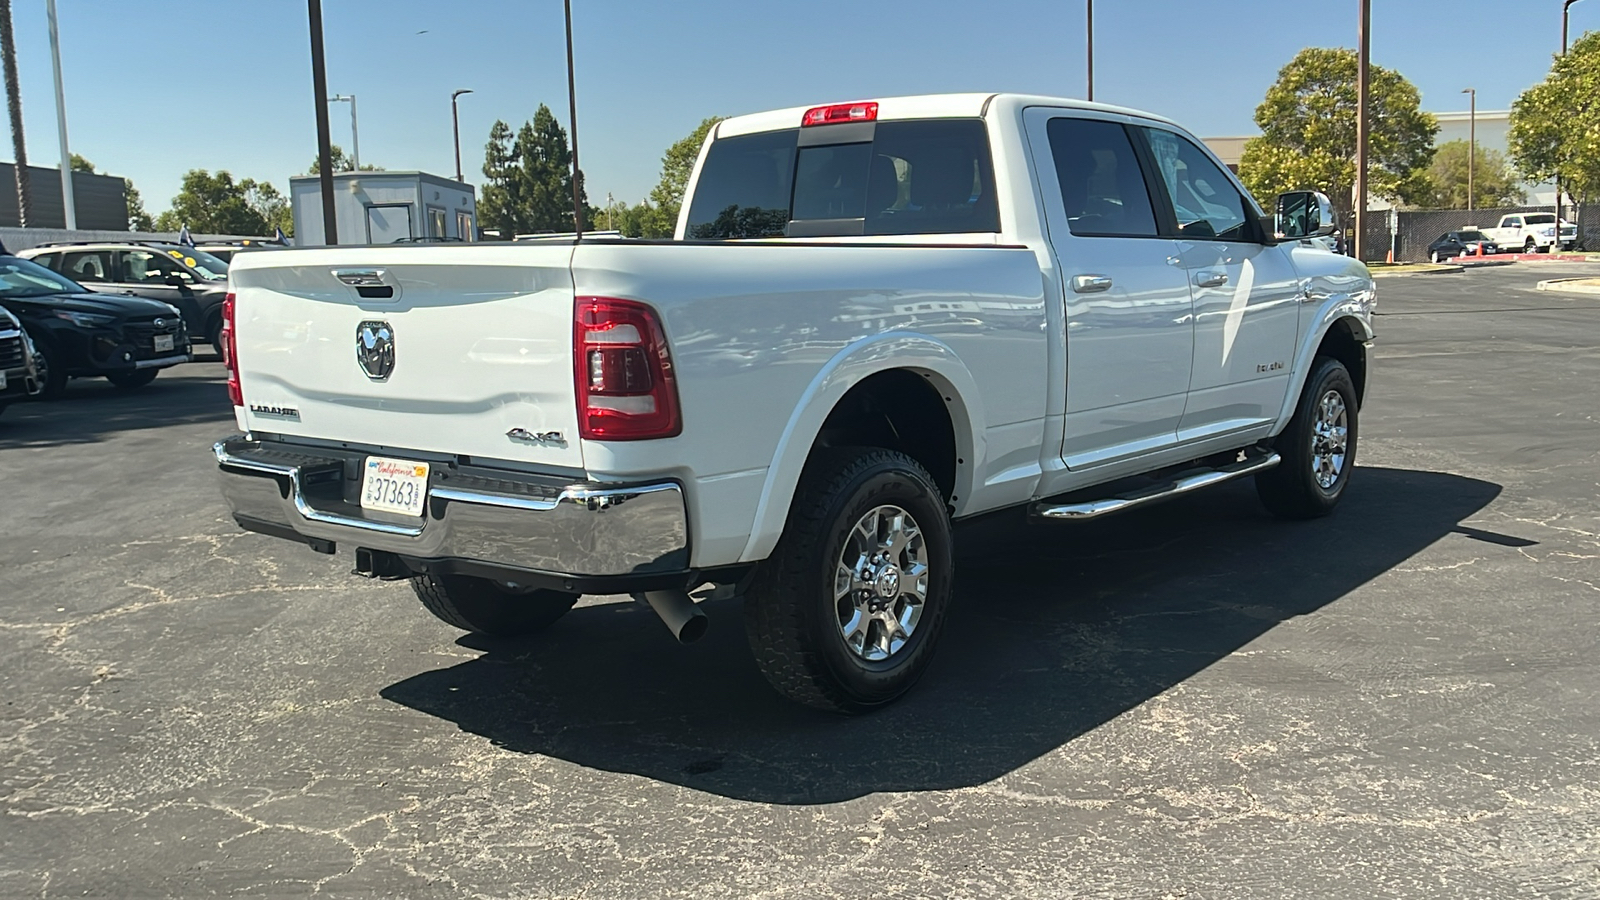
x=375, y=349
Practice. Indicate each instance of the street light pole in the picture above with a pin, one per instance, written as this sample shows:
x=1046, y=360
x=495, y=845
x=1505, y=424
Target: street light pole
x=1364, y=39
x=1090, y=30
x=355, y=136
x=455, y=125
x=1472, y=144
x=319, y=85
x=67, y=202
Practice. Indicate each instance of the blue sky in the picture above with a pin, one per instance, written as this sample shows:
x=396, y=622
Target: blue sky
x=155, y=88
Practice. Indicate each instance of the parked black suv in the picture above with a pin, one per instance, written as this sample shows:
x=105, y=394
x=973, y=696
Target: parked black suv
x=17, y=377
x=77, y=332
x=187, y=277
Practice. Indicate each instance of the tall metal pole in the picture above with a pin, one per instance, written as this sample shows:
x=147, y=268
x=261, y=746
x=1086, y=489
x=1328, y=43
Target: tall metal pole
x=1364, y=39
x=1472, y=145
x=8, y=61
x=355, y=138
x=455, y=124
x=1089, y=29
x=67, y=202
x=1565, y=6
x=319, y=87
x=572, y=104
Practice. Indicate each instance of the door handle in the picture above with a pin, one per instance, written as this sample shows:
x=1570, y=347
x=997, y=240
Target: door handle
x=1091, y=284
x=1211, y=279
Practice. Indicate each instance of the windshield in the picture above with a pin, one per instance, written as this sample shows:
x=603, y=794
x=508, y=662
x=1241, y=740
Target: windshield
x=1473, y=236
x=21, y=278
x=210, y=267
x=1541, y=219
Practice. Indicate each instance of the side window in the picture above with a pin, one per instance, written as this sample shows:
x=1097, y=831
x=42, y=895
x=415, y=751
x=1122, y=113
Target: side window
x=88, y=267
x=48, y=260
x=1102, y=185
x=145, y=267
x=1514, y=222
x=1203, y=198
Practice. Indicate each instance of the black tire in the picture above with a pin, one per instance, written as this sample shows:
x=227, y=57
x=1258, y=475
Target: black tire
x=52, y=374
x=792, y=618
x=489, y=607
x=137, y=378
x=1292, y=489
x=214, y=334
x=1530, y=247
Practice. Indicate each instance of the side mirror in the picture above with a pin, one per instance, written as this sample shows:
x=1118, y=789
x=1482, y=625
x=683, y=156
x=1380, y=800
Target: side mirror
x=176, y=281
x=1304, y=214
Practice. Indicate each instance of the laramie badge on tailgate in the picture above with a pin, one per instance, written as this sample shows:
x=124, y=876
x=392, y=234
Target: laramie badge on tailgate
x=375, y=349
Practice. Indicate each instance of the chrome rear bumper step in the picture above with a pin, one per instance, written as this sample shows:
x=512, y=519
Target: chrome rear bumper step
x=1183, y=483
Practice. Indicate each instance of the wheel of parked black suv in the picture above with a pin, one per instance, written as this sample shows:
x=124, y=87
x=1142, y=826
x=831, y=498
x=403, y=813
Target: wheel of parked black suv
x=214, y=334
x=846, y=612
x=493, y=608
x=51, y=373
x=138, y=378
x=1318, y=447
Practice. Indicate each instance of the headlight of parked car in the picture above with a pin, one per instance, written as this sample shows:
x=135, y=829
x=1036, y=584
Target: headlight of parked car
x=85, y=320
x=1548, y=232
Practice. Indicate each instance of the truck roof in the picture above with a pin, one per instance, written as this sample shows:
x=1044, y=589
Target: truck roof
x=922, y=106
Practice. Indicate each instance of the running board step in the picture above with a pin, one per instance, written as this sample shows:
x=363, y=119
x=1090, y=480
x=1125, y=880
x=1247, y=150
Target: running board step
x=1192, y=480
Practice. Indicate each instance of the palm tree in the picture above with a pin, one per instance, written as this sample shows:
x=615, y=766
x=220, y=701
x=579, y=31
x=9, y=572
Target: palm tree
x=8, y=58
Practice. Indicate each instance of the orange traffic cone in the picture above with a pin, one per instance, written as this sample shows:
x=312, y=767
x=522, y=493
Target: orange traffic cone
x=1390, y=258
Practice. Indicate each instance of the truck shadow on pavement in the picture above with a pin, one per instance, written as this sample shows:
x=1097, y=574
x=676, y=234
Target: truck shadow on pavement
x=1056, y=630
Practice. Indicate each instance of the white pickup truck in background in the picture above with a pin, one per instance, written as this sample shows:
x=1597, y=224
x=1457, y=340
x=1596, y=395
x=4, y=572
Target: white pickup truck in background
x=1531, y=233
x=876, y=318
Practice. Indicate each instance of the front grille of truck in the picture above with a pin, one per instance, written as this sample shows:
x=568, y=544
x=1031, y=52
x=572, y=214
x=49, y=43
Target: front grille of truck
x=11, y=352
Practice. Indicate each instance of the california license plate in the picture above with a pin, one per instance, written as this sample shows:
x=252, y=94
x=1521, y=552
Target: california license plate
x=394, y=485
x=163, y=342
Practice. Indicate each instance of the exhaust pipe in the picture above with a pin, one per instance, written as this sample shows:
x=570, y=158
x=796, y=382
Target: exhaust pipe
x=680, y=614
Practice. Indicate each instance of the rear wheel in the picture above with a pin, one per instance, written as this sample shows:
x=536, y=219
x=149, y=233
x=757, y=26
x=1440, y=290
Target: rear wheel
x=138, y=378
x=214, y=334
x=493, y=608
x=846, y=612
x=1318, y=447
x=1438, y=257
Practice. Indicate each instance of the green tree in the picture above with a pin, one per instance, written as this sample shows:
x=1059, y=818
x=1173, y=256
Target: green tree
x=1308, y=133
x=1493, y=182
x=660, y=218
x=499, y=203
x=138, y=219
x=1555, y=125
x=79, y=164
x=528, y=179
x=217, y=204
x=341, y=162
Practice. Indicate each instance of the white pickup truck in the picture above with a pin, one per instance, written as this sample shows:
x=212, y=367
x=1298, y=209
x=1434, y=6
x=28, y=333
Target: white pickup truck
x=875, y=318
x=1532, y=233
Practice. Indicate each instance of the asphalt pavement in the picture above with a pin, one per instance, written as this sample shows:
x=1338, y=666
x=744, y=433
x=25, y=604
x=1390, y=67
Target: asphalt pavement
x=1192, y=701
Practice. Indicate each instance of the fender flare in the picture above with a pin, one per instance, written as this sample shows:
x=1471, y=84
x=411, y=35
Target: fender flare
x=1353, y=307
x=885, y=352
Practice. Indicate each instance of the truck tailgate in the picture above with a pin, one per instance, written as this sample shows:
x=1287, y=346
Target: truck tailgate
x=481, y=338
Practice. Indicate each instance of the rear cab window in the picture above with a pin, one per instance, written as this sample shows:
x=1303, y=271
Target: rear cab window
x=899, y=177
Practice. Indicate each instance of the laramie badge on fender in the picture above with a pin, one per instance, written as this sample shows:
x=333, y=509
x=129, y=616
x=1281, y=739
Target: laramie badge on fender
x=375, y=349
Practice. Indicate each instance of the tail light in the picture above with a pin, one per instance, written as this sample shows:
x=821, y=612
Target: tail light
x=625, y=385
x=230, y=351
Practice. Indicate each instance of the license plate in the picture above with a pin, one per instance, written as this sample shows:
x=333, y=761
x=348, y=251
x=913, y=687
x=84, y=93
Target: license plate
x=394, y=485
x=163, y=342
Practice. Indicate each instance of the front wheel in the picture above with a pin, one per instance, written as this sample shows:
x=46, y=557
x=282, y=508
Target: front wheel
x=137, y=378
x=1530, y=247
x=845, y=613
x=493, y=608
x=49, y=369
x=1318, y=447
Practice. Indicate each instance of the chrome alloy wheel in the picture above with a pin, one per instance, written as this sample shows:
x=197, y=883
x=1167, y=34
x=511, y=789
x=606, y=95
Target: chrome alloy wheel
x=1330, y=437
x=881, y=583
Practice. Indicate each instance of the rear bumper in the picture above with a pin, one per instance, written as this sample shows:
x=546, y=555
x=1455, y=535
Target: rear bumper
x=590, y=538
